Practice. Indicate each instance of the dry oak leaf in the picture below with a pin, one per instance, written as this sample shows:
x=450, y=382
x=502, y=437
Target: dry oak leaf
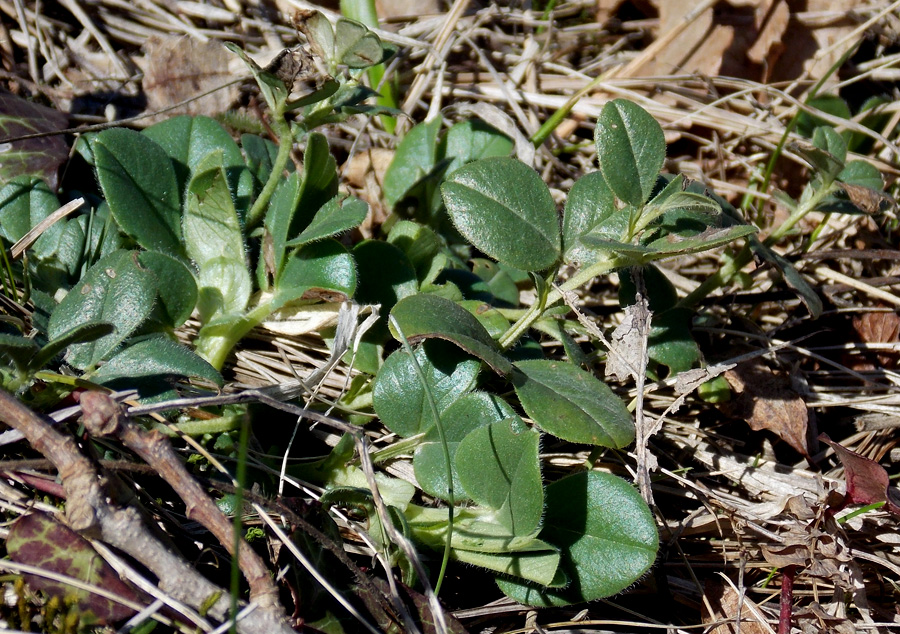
x=867, y=481
x=766, y=400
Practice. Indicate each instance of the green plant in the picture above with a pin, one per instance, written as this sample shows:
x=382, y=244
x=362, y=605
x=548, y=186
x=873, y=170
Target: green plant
x=186, y=210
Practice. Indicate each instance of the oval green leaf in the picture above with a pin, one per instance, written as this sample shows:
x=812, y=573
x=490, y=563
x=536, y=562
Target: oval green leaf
x=426, y=316
x=177, y=287
x=463, y=416
x=413, y=160
x=323, y=269
x=572, y=404
x=160, y=357
x=504, y=208
x=591, y=209
x=116, y=290
x=189, y=139
x=631, y=149
x=139, y=182
x=606, y=535
x=400, y=398
x=498, y=467
x=210, y=224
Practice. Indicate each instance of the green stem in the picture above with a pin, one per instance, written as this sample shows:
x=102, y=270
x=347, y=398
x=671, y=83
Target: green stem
x=285, y=142
x=537, y=309
x=215, y=348
x=733, y=266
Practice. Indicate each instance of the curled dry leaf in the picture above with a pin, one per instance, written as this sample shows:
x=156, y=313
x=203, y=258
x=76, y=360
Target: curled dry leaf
x=766, y=400
x=867, y=481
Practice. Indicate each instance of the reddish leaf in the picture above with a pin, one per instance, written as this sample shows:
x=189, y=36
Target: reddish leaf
x=39, y=540
x=39, y=157
x=867, y=481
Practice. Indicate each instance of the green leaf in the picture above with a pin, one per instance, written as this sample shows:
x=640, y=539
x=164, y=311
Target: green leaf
x=355, y=45
x=24, y=203
x=39, y=157
x=807, y=122
x=863, y=174
x=540, y=566
x=673, y=244
x=139, y=182
x=84, y=332
x=319, y=270
x=631, y=150
x=499, y=467
x=210, y=224
x=571, y=404
x=338, y=215
x=385, y=274
x=39, y=540
x=277, y=224
x=504, y=209
x=188, y=140
x=606, y=535
x=224, y=287
x=425, y=316
x=319, y=182
x=471, y=140
x=116, y=290
x=20, y=350
x=400, y=398
x=157, y=356
x=414, y=159
x=177, y=288
x=260, y=155
x=422, y=247
x=464, y=415
x=591, y=209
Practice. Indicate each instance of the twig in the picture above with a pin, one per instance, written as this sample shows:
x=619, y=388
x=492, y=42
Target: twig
x=104, y=417
x=89, y=512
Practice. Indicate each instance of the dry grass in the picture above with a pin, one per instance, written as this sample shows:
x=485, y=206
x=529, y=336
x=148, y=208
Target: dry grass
x=723, y=492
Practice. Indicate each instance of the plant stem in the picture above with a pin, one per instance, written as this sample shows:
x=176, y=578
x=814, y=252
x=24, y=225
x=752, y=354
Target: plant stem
x=537, y=310
x=285, y=143
x=215, y=348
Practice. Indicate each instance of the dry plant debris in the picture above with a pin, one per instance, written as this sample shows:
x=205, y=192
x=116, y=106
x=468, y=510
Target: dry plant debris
x=749, y=512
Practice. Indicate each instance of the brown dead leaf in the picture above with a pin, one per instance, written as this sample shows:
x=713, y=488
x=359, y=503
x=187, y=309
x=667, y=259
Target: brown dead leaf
x=699, y=48
x=766, y=400
x=771, y=19
x=879, y=327
x=181, y=68
x=727, y=604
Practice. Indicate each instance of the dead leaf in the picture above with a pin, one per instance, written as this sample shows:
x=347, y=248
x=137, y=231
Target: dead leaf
x=628, y=342
x=41, y=156
x=727, y=604
x=182, y=68
x=772, y=17
x=867, y=481
x=386, y=9
x=766, y=400
x=879, y=327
